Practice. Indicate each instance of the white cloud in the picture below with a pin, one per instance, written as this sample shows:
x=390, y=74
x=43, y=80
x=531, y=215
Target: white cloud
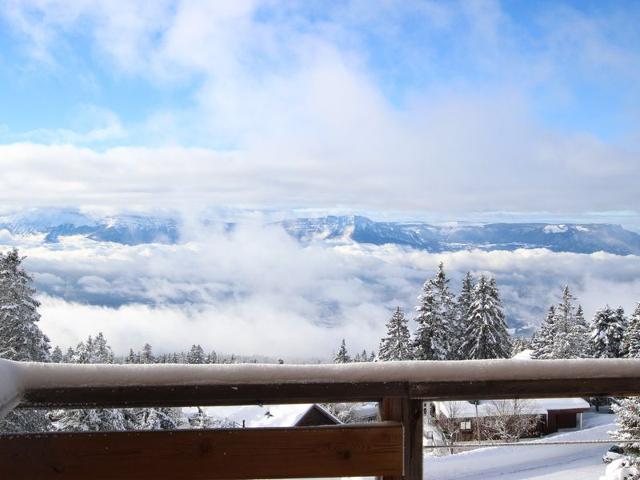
x=257, y=291
x=305, y=120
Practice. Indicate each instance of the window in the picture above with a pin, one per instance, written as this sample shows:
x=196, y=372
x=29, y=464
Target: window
x=465, y=425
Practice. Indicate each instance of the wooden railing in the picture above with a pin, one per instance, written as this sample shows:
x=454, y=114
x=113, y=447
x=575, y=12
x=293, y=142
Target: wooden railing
x=391, y=448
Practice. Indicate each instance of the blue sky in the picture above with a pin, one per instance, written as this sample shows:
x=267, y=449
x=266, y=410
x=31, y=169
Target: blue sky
x=443, y=107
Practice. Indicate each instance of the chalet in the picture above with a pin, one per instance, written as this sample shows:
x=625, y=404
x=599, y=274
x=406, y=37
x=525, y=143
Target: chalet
x=552, y=414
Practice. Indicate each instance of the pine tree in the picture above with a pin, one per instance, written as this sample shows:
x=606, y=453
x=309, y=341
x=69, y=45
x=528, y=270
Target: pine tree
x=564, y=333
x=146, y=356
x=486, y=335
x=69, y=355
x=519, y=344
x=435, y=318
x=632, y=338
x=397, y=344
x=56, y=355
x=463, y=304
x=607, y=331
x=582, y=330
x=627, y=412
x=542, y=342
x=571, y=336
x=97, y=350
x=131, y=358
x=212, y=357
x=196, y=355
x=92, y=351
x=20, y=337
x=342, y=356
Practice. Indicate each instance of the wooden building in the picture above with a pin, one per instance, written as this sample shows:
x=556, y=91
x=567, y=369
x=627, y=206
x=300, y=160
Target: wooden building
x=551, y=414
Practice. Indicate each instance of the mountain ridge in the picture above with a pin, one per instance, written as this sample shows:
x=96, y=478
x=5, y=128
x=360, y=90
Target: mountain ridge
x=141, y=229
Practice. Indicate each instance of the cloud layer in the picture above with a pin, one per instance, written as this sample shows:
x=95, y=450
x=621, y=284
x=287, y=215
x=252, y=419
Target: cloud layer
x=257, y=291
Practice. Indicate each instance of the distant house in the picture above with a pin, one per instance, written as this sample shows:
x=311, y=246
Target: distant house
x=295, y=415
x=317, y=415
x=552, y=414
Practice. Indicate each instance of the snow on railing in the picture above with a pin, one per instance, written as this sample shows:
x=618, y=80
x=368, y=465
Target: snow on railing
x=400, y=387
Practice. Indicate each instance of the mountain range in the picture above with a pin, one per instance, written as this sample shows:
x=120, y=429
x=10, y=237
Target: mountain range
x=141, y=229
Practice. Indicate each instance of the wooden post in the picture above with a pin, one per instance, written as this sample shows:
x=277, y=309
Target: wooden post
x=409, y=413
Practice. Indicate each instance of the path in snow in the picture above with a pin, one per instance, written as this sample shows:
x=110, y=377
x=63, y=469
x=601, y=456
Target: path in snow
x=553, y=462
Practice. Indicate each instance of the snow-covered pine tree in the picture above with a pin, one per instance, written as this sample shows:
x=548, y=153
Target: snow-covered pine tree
x=463, y=304
x=519, y=344
x=342, y=356
x=621, y=319
x=155, y=418
x=146, y=356
x=563, y=333
x=582, y=329
x=486, y=335
x=56, y=355
x=632, y=337
x=196, y=355
x=97, y=350
x=397, y=344
x=20, y=337
x=433, y=339
x=607, y=331
x=627, y=412
x=571, y=337
x=102, y=352
x=92, y=420
x=543, y=339
x=131, y=357
x=69, y=355
x=212, y=357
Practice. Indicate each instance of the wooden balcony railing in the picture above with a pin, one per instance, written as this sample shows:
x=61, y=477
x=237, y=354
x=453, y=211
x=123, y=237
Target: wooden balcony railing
x=391, y=448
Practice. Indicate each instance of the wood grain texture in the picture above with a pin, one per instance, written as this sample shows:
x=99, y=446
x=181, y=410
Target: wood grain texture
x=538, y=388
x=210, y=395
x=409, y=413
x=356, y=450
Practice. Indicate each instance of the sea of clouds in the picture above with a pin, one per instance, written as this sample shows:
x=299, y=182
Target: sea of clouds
x=257, y=291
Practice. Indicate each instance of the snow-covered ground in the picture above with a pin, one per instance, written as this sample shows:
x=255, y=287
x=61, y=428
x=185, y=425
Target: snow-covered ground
x=553, y=462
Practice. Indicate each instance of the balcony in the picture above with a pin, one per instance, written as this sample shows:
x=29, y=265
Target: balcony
x=389, y=448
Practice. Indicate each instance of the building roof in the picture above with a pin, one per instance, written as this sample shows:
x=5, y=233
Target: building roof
x=266, y=415
x=486, y=408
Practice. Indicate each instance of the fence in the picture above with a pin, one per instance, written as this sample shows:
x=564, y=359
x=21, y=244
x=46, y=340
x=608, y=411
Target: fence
x=391, y=448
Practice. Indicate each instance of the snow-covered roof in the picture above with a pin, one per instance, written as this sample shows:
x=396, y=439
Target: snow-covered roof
x=265, y=415
x=261, y=415
x=487, y=408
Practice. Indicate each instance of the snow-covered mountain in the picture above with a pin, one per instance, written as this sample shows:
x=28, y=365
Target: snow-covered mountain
x=124, y=229
x=141, y=229
x=578, y=238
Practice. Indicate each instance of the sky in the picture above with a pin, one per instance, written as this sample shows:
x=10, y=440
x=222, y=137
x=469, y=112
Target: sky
x=404, y=108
